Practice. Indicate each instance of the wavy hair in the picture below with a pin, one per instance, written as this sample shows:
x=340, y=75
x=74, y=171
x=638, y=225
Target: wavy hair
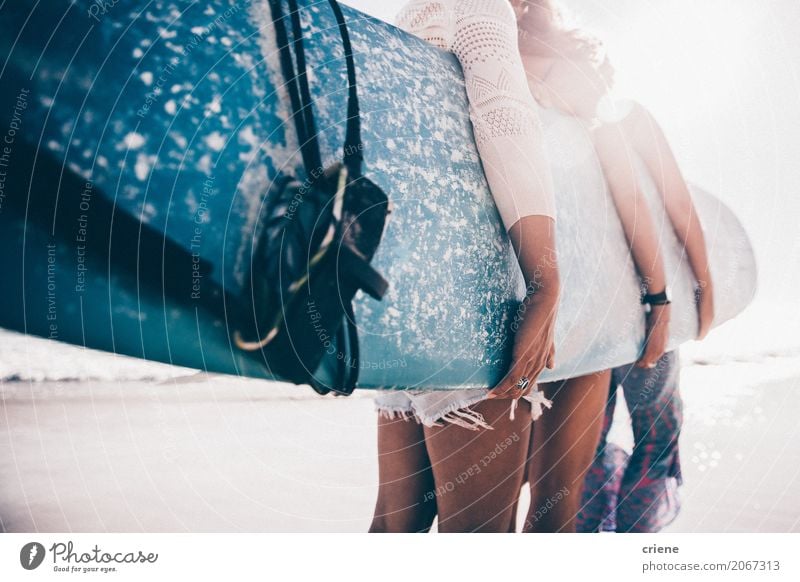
x=543, y=32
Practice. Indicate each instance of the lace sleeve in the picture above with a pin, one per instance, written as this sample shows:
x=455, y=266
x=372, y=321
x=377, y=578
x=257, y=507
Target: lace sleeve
x=502, y=109
x=427, y=20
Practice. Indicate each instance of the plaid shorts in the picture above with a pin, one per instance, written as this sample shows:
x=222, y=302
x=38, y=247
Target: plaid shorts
x=638, y=492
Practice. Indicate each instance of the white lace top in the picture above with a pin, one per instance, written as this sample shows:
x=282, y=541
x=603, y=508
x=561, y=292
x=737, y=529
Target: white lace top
x=483, y=36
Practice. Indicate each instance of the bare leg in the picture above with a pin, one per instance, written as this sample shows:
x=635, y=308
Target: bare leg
x=404, y=470
x=598, y=510
x=563, y=445
x=478, y=474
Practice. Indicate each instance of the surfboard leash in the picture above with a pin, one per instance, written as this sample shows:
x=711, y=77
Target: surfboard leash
x=337, y=223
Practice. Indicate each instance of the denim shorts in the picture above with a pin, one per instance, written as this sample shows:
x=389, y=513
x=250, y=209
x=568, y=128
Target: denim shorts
x=440, y=407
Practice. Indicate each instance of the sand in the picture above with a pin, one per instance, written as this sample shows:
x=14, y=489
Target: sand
x=205, y=454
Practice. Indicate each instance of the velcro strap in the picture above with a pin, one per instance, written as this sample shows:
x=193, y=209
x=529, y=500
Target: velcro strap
x=362, y=273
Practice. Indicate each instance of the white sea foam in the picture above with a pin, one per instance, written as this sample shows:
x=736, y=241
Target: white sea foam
x=33, y=359
x=764, y=331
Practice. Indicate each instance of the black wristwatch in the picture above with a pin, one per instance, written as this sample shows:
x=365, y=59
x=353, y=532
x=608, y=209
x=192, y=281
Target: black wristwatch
x=662, y=298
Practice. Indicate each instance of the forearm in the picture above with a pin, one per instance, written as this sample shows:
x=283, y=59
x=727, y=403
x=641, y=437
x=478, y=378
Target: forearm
x=652, y=146
x=646, y=252
x=683, y=216
x=640, y=234
x=632, y=208
x=533, y=238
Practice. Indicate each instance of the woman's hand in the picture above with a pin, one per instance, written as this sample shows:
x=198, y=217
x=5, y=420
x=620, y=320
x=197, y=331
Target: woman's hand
x=657, y=336
x=533, y=238
x=534, y=349
x=705, y=309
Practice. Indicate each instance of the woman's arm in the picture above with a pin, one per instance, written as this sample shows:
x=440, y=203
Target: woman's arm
x=508, y=136
x=533, y=238
x=615, y=153
x=651, y=144
x=504, y=114
x=483, y=36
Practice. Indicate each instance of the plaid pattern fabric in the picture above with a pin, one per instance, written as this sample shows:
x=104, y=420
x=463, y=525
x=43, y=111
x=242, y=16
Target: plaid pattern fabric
x=638, y=492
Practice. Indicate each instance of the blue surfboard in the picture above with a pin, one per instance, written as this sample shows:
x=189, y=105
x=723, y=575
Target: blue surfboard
x=146, y=137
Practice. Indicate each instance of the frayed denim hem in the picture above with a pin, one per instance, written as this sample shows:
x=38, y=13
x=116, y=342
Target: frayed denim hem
x=396, y=414
x=440, y=407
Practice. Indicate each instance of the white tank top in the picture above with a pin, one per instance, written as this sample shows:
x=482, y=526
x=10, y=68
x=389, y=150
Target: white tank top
x=483, y=36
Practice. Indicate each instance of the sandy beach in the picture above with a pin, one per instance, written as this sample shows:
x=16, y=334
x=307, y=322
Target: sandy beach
x=206, y=454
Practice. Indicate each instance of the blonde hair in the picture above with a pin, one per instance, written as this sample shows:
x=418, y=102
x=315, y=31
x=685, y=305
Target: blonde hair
x=543, y=32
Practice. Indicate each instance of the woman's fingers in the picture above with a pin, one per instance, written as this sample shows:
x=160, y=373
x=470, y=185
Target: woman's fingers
x=655, y=348
x=644, y=361
x=650, y=357
x=533, y=350
x=505, y=385
x=657, y=336
x=702, y=323
x=551, y=357
x=510, y=386
x=706, y=317
x=654, y=351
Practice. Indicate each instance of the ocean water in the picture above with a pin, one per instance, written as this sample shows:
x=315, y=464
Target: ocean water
x=26, y=358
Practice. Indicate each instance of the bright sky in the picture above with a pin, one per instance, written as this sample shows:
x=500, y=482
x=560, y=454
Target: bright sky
x=723, y=79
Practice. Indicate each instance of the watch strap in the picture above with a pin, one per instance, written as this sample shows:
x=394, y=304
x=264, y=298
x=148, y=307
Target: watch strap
x=661, y=298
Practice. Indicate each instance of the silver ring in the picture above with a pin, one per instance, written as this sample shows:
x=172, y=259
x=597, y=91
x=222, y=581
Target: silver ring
x=522, y=383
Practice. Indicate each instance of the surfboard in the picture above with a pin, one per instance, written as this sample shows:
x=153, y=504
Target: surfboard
x=145, y=139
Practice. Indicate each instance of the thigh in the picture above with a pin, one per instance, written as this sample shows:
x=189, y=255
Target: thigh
x=478, y=473
x=563, y=447
x=603, y=478
x=610, y=407
x=405, y=502
x=563, y=434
